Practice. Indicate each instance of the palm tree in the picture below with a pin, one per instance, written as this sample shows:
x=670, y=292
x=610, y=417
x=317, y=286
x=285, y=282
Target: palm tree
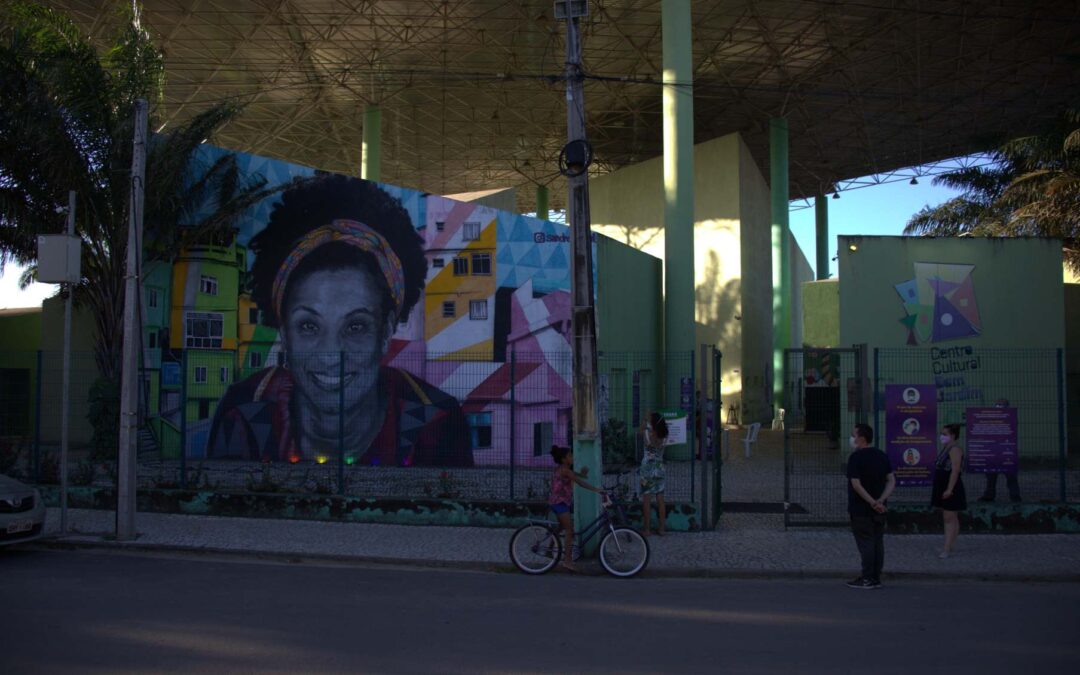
x=1031, y=188
x=67, y=124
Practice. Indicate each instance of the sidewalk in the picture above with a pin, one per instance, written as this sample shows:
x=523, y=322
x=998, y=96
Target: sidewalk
x=744, y=546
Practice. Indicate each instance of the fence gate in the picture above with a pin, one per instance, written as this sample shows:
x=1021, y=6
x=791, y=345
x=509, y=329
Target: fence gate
x=825, y=394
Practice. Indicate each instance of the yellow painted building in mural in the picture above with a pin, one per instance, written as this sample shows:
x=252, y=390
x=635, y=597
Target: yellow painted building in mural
x=205, y=283
x=459, y=299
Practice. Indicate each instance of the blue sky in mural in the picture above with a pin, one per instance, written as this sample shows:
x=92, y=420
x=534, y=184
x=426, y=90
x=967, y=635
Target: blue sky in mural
x=877, y=210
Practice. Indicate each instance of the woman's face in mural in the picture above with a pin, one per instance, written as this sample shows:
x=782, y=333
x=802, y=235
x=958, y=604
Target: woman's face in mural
x=328, y=313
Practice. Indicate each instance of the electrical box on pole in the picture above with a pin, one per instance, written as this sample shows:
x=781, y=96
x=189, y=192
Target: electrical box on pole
x=59, y=259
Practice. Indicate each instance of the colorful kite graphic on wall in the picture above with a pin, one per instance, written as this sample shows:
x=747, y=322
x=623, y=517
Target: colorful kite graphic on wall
x=940, y=303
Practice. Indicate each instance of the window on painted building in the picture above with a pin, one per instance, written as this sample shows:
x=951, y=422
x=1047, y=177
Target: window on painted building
x=203, y=330
x=478, y=310
x=438, y=262
x=255, y=359
x=200, y=374
x=204, y=409
x=461, y=267
x=440, y=225
x=481, y=264
x=480, y=428
x=448, y=309
x=542, y=435
x=208, y=284
x=152, y=298
x=470, y=231
x=223, y=374
x=151, y=340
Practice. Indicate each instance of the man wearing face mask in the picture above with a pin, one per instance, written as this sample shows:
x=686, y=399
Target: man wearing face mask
x=870, y=482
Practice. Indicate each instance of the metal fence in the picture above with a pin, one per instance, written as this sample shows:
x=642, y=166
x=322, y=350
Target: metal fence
x=416, y=425
x=828, y=391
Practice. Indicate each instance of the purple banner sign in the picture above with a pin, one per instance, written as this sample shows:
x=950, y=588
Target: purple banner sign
x=911, y=431
x=991, y=440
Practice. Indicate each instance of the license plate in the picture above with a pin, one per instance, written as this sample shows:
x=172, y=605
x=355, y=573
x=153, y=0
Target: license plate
x=20, y=526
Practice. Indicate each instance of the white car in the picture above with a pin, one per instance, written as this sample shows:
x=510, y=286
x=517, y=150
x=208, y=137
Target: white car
x=22, y=512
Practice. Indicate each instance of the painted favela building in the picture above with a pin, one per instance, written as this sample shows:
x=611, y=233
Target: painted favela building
x=389, y=325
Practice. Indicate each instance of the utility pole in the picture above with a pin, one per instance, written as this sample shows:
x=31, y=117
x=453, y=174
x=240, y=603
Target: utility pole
x=574, y=164
x=69, y=289
x=129, y=372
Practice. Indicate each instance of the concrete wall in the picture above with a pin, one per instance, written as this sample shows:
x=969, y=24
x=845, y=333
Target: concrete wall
x=755, y=213
x=83, y=371
x=732, y=255
x=821, y=313
x=1072, y=321
x=629, y=302
x=628, y=206
x=504, y=199
x=20, y=337
x=1017, y=284
x=1072, y=363
x=801, y=273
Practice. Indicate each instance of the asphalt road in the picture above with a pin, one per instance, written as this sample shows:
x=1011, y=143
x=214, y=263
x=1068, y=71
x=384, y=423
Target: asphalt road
x=72, y=611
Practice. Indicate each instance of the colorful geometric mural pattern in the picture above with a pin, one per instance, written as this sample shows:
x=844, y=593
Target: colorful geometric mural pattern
x=940, y=303
x=497, y=285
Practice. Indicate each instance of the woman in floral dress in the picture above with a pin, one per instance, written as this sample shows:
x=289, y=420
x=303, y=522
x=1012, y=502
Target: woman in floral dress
x=655, y=432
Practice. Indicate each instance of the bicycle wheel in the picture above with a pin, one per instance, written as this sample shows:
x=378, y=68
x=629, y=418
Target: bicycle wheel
x=535, y=548
x=624, y=552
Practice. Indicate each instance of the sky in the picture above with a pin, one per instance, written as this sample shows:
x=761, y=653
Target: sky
x=877, y=210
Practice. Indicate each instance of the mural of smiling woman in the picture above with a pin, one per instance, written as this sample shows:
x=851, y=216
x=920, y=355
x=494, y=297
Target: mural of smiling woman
x=337, y=267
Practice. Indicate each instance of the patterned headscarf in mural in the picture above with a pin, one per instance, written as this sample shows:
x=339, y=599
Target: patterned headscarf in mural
x=349, y=232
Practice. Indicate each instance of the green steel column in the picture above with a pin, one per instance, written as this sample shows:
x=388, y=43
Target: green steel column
x=781, y=266
x=542, y=202
x=679, y=326
x=371, y=154
x=821, y=220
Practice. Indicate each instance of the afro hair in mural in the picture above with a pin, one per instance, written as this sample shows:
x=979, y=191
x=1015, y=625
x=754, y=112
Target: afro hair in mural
x=331, y=213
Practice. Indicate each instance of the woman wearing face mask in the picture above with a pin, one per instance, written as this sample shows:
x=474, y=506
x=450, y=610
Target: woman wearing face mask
x=338, y=266
x=948, y=494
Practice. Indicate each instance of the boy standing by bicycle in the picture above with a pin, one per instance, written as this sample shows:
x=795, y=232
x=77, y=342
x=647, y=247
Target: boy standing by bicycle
x=561, y=499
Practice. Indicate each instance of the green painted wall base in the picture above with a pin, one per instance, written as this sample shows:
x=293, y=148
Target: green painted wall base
x=681, y=517
x=990, y=518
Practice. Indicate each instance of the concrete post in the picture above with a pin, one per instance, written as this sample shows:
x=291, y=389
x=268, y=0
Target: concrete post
x=821, y=220
x=781, y=251
x=679, y=326
x=587, y=458
x=542, y=202
x=129, y=374
x=371, y=154
x=65, y=404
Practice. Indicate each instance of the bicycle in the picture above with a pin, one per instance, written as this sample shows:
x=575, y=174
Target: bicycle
x=536, y=547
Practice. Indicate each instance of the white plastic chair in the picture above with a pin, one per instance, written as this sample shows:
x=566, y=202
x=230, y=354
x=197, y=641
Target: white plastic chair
x=751, y=437
x=778, y=421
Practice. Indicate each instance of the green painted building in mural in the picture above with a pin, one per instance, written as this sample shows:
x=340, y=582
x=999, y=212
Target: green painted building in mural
x=203, y=327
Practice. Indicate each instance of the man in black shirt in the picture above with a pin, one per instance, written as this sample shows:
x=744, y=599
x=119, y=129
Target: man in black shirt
x=870, y=482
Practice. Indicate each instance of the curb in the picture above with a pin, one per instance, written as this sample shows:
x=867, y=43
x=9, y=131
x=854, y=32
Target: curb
x=592, y=570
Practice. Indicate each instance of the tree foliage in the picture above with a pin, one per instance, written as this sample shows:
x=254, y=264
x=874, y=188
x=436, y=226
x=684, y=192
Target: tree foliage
x=1032, y=188
x=67, y=123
